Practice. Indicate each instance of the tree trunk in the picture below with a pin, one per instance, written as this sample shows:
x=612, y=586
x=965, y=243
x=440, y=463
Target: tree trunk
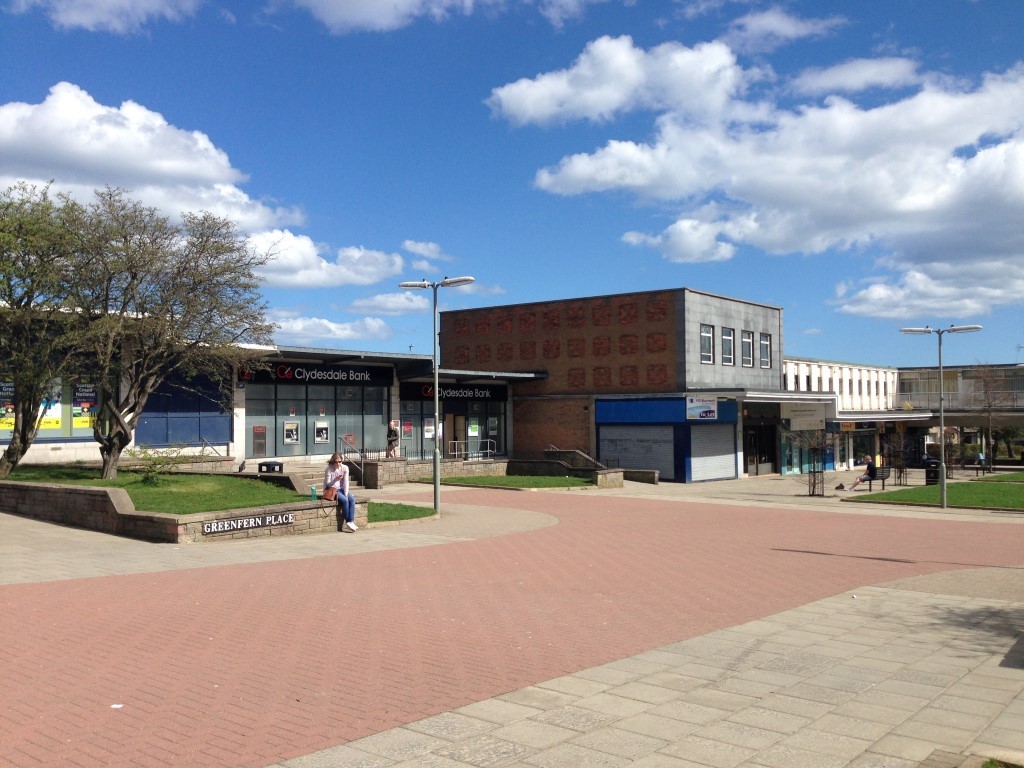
x=26, y=426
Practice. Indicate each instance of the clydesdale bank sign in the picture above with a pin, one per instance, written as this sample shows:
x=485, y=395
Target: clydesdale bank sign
x=301, y=373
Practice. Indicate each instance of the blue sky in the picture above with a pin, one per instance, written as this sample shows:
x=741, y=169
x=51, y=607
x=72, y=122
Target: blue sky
x=860, y=164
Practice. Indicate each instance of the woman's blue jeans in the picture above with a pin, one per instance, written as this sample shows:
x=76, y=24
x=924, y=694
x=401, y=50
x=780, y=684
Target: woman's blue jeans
x=347, y=506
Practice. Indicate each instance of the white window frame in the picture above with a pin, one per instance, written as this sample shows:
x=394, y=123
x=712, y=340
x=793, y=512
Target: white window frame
x=765, y=350
x=707, y=357
x=747, y=348
x=729, y=343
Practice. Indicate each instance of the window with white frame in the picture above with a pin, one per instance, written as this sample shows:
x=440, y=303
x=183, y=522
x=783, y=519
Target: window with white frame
x=707, y=344
x=766, y=350
x=747, y=348
x=728, y=352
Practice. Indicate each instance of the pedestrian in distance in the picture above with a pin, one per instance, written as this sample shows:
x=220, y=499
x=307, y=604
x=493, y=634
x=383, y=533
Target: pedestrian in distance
x=336, y=478
x=392, y=440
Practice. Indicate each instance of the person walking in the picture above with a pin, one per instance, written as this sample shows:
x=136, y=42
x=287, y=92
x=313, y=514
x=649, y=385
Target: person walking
x=336, y=476
x=392, y=440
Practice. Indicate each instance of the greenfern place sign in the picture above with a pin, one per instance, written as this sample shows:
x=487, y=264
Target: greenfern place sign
x=243, y=523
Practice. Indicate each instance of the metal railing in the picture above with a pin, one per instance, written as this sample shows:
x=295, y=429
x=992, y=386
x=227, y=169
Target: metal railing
x=481, y=449
x=1008, y=400
x=206, y=444
x=574, y=457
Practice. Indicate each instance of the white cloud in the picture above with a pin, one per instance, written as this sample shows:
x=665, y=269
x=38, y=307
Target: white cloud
x=394, y=303
x=931, y=183
x=613, y=76
x=765, y=31
x=343, y=16
x=432, y=251
x=304, y=331
x=119, y=16
x=858, y=75
x=82, y=145
x=687, y=241
x=297, y=261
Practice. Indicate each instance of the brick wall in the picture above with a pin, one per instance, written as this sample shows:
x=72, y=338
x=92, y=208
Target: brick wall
x=110, y=510
x=603, y=345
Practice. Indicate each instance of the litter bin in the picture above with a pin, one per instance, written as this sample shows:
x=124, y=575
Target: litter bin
x=932, y=467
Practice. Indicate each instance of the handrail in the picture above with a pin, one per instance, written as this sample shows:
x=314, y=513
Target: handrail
x=206, y=442
x=345, y=449
x=460, y=448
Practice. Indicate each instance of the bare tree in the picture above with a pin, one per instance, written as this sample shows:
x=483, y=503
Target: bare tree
x=815, y=443
x=156, y=298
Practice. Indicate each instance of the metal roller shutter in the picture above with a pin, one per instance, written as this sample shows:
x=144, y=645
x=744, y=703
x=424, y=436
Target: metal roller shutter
x=639, y=448
x=713, y=452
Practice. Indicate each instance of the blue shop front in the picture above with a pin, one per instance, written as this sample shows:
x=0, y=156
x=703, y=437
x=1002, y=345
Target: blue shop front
x=687, y=439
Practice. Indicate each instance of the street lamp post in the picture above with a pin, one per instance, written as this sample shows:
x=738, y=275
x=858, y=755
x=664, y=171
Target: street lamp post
x=942, y=396
x=448, y=282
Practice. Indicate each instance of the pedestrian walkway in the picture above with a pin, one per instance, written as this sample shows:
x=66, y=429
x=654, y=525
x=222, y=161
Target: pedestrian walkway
x=717, y=625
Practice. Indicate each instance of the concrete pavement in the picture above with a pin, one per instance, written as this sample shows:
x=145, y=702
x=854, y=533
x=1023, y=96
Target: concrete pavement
x=763, y=629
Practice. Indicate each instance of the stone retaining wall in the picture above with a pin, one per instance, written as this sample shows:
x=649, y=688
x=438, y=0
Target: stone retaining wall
x=377, y=474
x=110, y=510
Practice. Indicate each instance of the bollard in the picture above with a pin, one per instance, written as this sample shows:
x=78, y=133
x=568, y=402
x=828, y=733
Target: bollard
x=312, y=493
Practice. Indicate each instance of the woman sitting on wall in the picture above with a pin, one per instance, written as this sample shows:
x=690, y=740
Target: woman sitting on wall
x=336, y=478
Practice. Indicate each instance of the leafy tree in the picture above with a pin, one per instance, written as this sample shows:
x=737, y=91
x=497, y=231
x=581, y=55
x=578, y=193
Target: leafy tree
x=155, y=298
x=37, y=345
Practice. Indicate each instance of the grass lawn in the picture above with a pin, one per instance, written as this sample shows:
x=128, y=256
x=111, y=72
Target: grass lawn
x=960, y=494
x=517, y=481
x=173, y=493
x=382, y=512
x=993, y=763
x=1002, y=477
x=188, y=494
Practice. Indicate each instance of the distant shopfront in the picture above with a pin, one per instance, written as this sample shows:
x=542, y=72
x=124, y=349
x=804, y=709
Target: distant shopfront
x=297, y=409
x=687, y=439
x=473, y=419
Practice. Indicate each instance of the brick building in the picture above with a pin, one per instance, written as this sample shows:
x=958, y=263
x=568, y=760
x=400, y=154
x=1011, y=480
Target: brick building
x=649, y=379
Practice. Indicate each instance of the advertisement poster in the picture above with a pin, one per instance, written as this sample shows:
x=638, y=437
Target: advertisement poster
x=50, y=410
x=407, y=430
x=291, y=432
x=83, y=405
x=6, y=404
x=428, y=428
x=701, y=409
x=321, y=432
x=473, y=428
x=492, y=425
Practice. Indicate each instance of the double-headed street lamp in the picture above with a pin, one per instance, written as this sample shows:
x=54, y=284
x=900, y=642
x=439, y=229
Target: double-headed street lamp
x=942, y=407
x=448, y=282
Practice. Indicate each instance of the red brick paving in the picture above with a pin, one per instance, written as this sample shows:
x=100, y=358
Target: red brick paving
x=252, y=664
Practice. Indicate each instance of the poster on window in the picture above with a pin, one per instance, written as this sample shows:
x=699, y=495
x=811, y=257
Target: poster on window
x=492, y=425
x=407, y=430
x=428, y=429
x=473, y=428
x=291, y=433
x=6, y=404
x=51, y=409
x=83, y=405
x=321, y=432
